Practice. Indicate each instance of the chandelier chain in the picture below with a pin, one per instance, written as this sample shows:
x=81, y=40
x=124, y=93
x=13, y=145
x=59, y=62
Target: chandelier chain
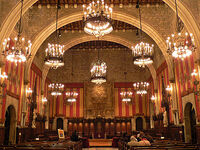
x=140, y=16
x=21, y=19
x=58, y=7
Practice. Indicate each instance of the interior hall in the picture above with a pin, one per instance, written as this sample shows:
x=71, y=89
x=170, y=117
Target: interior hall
x=99, y=74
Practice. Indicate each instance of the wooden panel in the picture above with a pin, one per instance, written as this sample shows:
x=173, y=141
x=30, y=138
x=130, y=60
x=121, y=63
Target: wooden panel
x=112, y=129
x=1, y=135
x=80, y=127
x=123, y=129
x=75, y=127
x=118, y=128
x=86, y=129
x=128, y=128
x=107, y=127
x=70, y=128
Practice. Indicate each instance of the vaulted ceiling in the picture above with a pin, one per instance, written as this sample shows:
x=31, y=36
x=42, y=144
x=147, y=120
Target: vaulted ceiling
x=114, y=2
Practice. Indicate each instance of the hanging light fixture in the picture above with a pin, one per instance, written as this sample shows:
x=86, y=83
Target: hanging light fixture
x=97, y=18
x=126, y=95
x=98, y=71
x=141, y=87
x=54, y=52
x=56, y=89
x=142, y=52
x=18, y=49
x=180, y=45
x=71, y=96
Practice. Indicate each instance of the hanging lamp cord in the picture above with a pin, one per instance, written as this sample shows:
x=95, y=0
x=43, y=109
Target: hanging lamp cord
x=58, y=7
x=140, y=16
x=99, y=48
x=20, y=20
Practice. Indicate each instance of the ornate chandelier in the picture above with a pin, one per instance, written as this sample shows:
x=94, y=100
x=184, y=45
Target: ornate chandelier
x=71, y=96
x=126, y=95
x=180, y=45
x=18, y=49
x=141, y=87
x=98, y=72
x=97, y=18
x=54, y=52
x=56, y=89
x=54, y=56
x=142, y=52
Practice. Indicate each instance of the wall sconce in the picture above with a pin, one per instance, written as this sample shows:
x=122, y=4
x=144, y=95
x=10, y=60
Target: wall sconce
x=153, y=99
x=169, y=90
x=29, y=94
x=196, y=82
x=3, y=78
x=44, y=100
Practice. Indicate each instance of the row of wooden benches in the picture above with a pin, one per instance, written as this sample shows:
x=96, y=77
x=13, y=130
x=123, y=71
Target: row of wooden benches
x=159, y=146
x=44, y=146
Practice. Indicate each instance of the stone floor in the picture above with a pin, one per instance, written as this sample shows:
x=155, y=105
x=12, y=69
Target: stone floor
x=100, y=148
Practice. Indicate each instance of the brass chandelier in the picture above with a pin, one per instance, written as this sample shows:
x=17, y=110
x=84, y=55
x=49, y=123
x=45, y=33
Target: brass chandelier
x=180, y=45
x=126, y=95
x=141, y=87
x=71, y=96
x=98, y=71
x=97, y=18
x=54, y=52
x=56, y=89
x=18, y=49
x=142, y=52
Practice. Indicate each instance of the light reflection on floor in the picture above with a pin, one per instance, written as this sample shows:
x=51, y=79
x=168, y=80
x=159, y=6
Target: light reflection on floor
x=100, y=148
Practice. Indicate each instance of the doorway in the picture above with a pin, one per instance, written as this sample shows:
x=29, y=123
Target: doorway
x=190, y=123
x=139, y=124
x=59, y=123
x=10, y=126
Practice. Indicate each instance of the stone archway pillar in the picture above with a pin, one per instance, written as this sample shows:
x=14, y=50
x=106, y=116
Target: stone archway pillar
x=174, y=102
x=133, y=124
x=54, y=124
x=65, y=123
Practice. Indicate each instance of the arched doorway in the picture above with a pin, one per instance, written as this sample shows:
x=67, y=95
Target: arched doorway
x=10, y=126
x=139, y=124
x=190, y=122
x=59, y=123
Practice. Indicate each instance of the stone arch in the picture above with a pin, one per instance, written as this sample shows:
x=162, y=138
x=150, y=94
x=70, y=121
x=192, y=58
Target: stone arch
x=10, y=125
x=187, y=17
x=139, y=123
x=110, y=38
x=184, y=13
x=59, y=123
x=46, y=32
x=189, y=123
x=134, y=122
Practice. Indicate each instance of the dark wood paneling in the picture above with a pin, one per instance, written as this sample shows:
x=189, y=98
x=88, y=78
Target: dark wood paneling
x=1, y=135
x=198, y=133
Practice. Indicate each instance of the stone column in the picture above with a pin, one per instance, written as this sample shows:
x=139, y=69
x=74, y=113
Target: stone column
x=65, y=124
x=133, y=124
x=54, y=124
x=46, y=113
x=174, y=102
x=24, y=103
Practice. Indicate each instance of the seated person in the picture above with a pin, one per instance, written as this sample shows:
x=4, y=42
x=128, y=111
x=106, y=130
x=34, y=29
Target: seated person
x=74, y=136
x=142, y=142
x=133, y=142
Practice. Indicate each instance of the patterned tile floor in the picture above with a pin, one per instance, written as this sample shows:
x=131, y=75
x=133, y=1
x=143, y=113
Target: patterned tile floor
x=100, y=148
